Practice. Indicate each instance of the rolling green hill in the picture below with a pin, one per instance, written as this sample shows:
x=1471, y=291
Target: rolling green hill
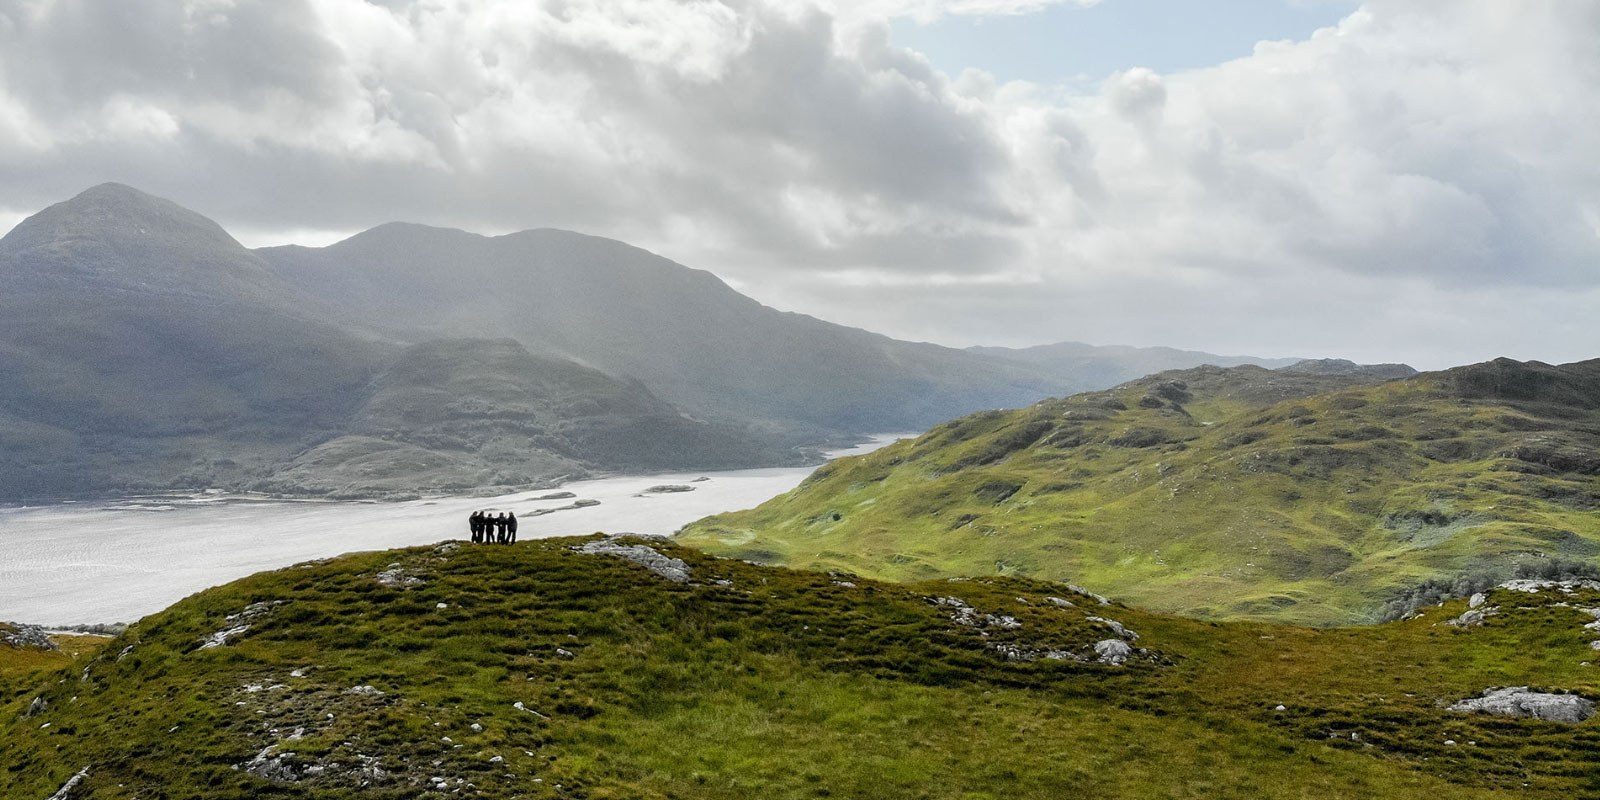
x=1237, y=493
x=591, y=668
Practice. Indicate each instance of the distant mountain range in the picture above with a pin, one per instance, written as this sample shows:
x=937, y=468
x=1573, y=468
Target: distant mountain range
x=145, y=349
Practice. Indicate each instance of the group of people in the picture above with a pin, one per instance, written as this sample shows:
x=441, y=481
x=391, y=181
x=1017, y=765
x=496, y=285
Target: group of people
x=489, y=529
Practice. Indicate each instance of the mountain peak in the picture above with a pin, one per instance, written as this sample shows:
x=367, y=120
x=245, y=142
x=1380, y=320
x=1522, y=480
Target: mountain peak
x=114, y=232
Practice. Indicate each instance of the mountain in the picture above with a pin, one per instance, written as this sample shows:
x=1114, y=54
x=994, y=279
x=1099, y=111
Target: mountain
x=1083, y=367
x=681, y=331
x=145, y=349
x=600, y=668
x=1308, y=496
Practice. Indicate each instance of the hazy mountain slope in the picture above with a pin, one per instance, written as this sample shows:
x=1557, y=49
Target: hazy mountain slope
x=139, y=341
x=1210, y=492
x=456, y=414
x=683, y=332
x=535, y=671
x=144, y=349
x=1085, y=367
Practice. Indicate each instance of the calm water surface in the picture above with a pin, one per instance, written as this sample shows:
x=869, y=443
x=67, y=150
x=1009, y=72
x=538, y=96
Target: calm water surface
x=118, y=561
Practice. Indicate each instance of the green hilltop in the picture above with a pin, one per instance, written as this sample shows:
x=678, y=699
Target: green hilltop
x=1322, y=495
x=612, y=668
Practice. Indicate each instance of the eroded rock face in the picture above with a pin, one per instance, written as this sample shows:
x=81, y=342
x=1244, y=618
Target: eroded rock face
x=1520, y=701
x=672, y=569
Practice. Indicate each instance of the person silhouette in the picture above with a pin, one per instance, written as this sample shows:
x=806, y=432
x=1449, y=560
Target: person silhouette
x=500, y=528
x=475, y=524
x=511, y=529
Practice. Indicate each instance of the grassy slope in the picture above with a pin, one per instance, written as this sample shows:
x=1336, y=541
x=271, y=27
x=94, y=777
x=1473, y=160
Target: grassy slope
x=780, y=684
x=1217, y=501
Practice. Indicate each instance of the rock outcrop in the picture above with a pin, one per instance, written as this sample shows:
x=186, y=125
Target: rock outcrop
x=1520, y=701
x=672, y=569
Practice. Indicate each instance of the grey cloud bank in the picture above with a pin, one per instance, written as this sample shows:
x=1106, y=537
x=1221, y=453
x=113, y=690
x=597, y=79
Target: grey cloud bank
x=1415, y=184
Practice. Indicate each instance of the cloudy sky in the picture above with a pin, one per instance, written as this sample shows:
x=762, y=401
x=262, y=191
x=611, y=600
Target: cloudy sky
x=1397, y=179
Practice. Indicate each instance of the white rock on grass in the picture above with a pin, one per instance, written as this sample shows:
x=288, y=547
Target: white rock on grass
x=1475, y=617
x=1112, y=651
x=1477, y=600
x=72, y=783
x=672, y=569
x=1116, y=627
x=1520, y=701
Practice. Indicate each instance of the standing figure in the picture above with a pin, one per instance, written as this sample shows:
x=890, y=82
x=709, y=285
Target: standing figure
x=475, y=524
x=511, y=528
x=500, y=527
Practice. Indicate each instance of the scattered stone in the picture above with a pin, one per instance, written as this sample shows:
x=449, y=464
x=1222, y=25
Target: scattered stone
x=845, y=584
x=672, y=569
x=447, y=548
x=564, y=652
x=364, y=691
x=395, y=577
x=1280, y=707
x=1101, y=599
x=441, y=605
x=36, y=707
x=670, y=488
x=1059, y=601
x=273, y=766
x=520, y=707
x=1112, y=651
x=497, y=759
x=15, y=634
x=1474, y=617
x=1520, y=701
x=1116, y=627
x=72, y=783
x=240, y=624
x=1536, y=586
x=967, y=616
x=1477, y=600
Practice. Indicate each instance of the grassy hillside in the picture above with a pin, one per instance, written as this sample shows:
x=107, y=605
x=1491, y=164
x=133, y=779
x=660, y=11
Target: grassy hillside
x=1221, y=493
x=538, y=671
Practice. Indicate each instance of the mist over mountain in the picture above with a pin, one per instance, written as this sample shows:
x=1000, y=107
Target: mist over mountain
x=147, y=350
x=1084, y=367
x=626, y=311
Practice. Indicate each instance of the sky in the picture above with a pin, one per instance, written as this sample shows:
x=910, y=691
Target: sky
x=1406, y=180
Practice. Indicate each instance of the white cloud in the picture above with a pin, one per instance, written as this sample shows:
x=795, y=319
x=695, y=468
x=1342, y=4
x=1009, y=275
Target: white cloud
x=1418, y=180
